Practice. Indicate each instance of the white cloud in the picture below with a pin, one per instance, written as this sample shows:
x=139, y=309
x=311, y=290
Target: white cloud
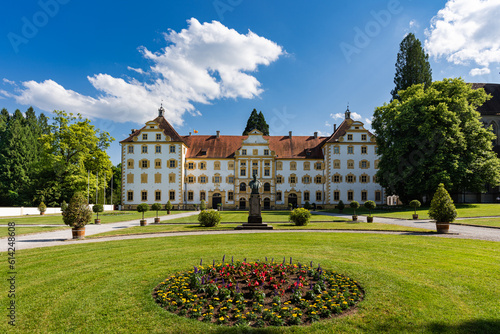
x=368, y=121
x=323, y=134
x=5, y=80
x=201, y=63
x=355, y=116
x=138, y=70
x=337, y=116
x=414, y=24
x=466, y=31
x=479, y=71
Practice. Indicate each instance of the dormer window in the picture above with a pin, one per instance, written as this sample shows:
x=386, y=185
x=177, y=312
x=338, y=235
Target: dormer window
x=243, y=152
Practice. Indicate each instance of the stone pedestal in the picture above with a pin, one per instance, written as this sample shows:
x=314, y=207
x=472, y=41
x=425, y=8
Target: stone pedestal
x=254, y=216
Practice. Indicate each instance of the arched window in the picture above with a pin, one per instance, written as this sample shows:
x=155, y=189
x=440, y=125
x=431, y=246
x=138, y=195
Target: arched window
x=267, y=187
x=243, y=186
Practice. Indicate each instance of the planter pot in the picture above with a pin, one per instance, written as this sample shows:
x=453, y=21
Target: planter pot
x=369, y=219
x=157, y=220
x=415, y=216
x=97, y=221
x=354, y=218
x=42, y=213
x=144, y=222
x=78, y=232
x=442, y=227
x=168, y=212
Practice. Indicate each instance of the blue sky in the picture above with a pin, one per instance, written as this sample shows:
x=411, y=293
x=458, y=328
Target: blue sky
x=212, y=62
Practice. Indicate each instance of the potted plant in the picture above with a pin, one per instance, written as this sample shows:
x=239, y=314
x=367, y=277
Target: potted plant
x=168, y=207
x=77, y=215
x=97, y=208
x=156, y=207
x=415, y=204
x=143, y=207
x=442, y=209
x=42, y=208
x=219, y=206
x=354, y=205
x=341, y=206
x=370, y=205
x=203, y=205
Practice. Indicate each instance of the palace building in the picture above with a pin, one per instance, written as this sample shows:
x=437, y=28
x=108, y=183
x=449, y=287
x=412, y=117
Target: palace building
x=159, y=165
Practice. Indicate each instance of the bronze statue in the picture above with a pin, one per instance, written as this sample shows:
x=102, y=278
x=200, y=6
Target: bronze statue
x=254, y=185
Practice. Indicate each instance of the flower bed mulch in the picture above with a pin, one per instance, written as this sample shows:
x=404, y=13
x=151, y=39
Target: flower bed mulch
x=258, y=294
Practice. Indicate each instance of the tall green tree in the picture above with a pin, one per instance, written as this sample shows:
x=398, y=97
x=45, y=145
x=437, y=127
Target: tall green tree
x=72, y=149
x=432, y=136
x=412, y=65
x=256, y=121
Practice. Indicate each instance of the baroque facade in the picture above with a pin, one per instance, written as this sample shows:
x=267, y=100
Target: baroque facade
x=159, y=165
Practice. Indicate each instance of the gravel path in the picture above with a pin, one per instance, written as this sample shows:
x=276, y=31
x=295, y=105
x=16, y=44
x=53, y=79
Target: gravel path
x=63, y=237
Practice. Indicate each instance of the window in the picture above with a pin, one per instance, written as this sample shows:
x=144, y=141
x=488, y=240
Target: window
x=306, y=196
x=157, y=178
x=144, y=136
x=318, y=179
x=130, y=178
x=278, y=196
x=190, y=179
x=363, y=196
x=217, y=179
x=376, y=149
x=157, y=149
x=279, y=165
x=378, y=195
x=319, y=195
x=190, y=195
x=254, y=172
x=243, y=172
x=279, y=179
x=318, y=166
x=364, y=164
x=157, y=163
x=144, y=178
x=336, y=195
x=171, y=195
x=306, y=179
x=203, y=165
x=243, y=152
x=293, y=165
x=243, y=164
x=217, y=165
x=171, y=178
x=255, y=164
x=266, y=152
x=364, y=149
x=336, y=164
x=172, y=163
x=130, y=149
x=267, y=172
x=364, y=179
x=190, y=165
x=349, y=137
x=158, y=195
x=293, y=179
x=350, y=164
x=230, y=165
x=351, y=178
x=203, y=196
x=144, y=163
x=307, y=165
x=243, y=187
x=203, y=179
x=350, y=195
x=350, y=150
x=144, y=195
x=158, y=136
x=230, y=179
x=130, y=163
x=267, y=187
x=336, y=150
x=144, y=149
x=363, y=137
x=376, y=164
x=337, y=178
x=130, y=195
x=230, y=196
x=172, y=149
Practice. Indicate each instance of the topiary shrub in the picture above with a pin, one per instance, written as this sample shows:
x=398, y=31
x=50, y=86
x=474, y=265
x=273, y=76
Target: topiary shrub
x=168, y=207
x=354, y=205
x=300, y=216
x=209, y=218
x=341, y=206
x=307, y=205
x=42, y=208
x=78, y=213
x=156, y=207
x=203, y=205
x=97, y=208
x=415, y=204
x=370, y=205
x=143, y=207
x=442, y=208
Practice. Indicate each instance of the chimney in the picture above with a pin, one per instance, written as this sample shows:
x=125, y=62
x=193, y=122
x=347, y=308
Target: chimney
x=315, y=135
x=133, y=130
x=290, y=134
x=334, y=128
x=218, y=133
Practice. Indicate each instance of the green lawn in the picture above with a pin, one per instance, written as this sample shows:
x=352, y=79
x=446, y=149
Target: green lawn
x=464, y=210
x=159, y=228
x=106, y=217
x=480, y=222
x=28, y=230
x=413, y=284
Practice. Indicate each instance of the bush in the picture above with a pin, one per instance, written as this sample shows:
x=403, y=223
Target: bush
x=64, y=206
x=42, y=207
x=354, y=205
x=209, y=218
x=78, y=213
x=415, y=204
x=143, y=207
x=300, y=216
x=98, y=208
x=341, y=205
x=168, y=207
x=203, y=205
x=156, y=207
x=307, y=205
x=442, y=208
x=370, y=205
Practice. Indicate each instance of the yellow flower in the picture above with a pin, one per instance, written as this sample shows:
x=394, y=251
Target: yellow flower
x=221, y=318
x=294, y=315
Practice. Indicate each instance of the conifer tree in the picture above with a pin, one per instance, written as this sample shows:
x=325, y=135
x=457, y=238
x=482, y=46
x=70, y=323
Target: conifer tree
x=256, y=121
x=412, y=65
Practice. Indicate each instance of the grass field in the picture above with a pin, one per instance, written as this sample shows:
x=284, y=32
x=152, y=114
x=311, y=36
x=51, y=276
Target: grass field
x=28, y=230
x=480, y=222
x=412, y=284
x=464, y=211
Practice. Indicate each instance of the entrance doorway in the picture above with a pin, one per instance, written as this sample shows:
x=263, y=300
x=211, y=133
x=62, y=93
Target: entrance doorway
x=216, y=199
x=292, y=199
x=267, y=204
x=243, y=204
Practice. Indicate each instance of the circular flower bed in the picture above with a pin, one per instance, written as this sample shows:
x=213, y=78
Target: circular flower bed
x=258, y=293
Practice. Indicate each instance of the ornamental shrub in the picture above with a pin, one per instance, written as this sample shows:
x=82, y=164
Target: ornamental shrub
x=168, y=207
x=415, y=204
x=64, y=206
x=143, y=207
x=98, y=208
x=203, y=205
x=42, y=207
x=354, y=205
x=370, y=205
x=156, y=207
x=300, y=216
x=78, y=213
x=442, y=208
x=307, y=205
x=209, y=218
x=341, y=205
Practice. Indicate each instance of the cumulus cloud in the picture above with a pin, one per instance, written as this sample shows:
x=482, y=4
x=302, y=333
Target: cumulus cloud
x=414, y=24
x=466, y=31
x=368, y=121
x=354, y=115
x=200, y=64
x=7, y=81
x=479, y=71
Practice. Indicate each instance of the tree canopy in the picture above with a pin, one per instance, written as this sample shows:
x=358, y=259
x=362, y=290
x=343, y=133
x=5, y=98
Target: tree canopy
x=256, y=121
x=432, y=136
x=412, y=65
